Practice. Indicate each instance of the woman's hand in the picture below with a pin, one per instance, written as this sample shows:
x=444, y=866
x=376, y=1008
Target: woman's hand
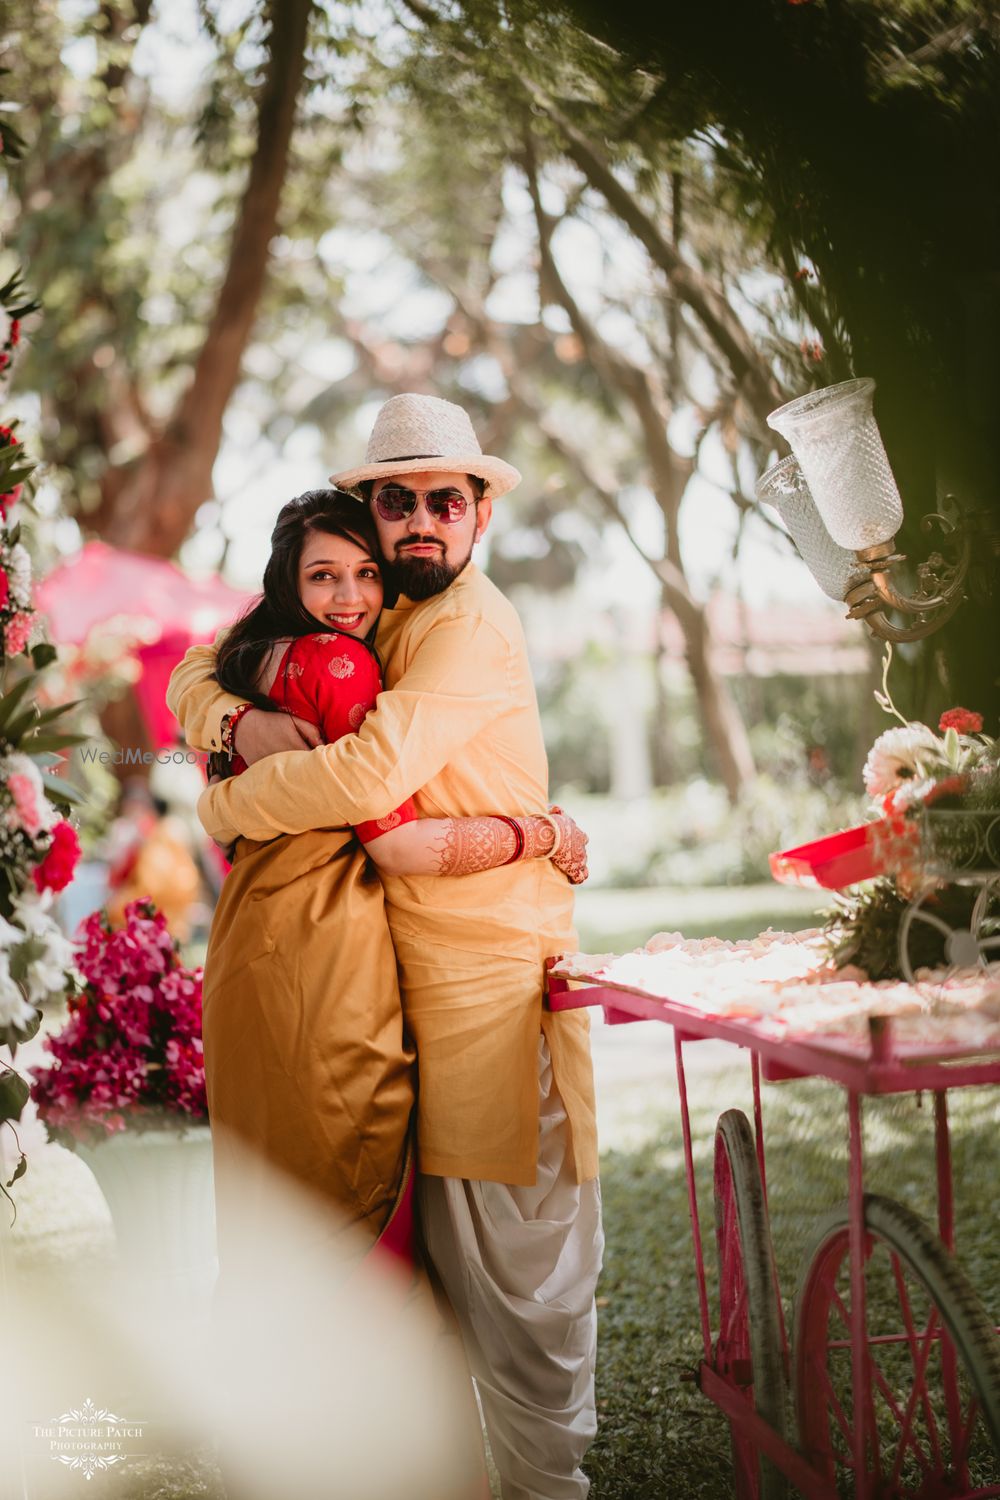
x=571, y=856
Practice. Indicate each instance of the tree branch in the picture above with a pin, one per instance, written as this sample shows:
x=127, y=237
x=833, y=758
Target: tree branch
x=750, y=372
x=176, y=476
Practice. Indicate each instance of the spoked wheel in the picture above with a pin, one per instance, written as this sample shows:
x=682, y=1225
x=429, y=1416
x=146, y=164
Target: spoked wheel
x=964, y=940
x=749, y=1351
x=932, y=1360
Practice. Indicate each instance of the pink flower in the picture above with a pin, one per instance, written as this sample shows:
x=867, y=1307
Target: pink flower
x=962, y=720
x=4, y=589
x=56, y=870
x=24, y=796
x=131, y=1050
x=17, y=633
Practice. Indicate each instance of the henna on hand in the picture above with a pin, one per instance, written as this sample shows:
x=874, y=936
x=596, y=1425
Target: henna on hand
x=473, y=844
x=571, y=856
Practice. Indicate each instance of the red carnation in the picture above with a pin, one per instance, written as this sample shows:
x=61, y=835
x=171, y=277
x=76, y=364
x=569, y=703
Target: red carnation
x=56, y=870
x=4, y=589
x=9, y=500
x=14, y=337
x=962, y=720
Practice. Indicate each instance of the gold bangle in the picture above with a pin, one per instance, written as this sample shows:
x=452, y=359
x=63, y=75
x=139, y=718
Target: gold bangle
x=557, y=831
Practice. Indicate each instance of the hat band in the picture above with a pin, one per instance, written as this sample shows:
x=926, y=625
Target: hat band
x=405, y=458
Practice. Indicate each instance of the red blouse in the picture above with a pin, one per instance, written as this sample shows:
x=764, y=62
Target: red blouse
x=332, y=681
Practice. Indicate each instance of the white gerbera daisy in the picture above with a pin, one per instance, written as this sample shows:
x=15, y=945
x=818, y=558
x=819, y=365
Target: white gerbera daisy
x=910, y=752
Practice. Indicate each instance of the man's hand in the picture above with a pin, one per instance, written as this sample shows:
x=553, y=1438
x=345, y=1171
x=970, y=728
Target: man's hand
x=571, y=856
x=226, y=850
x=260, y=733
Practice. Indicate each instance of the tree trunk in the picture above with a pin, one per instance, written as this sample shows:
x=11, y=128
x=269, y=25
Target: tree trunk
x=150, y=504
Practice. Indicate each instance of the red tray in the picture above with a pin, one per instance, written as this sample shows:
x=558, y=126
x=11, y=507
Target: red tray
x=839, y=860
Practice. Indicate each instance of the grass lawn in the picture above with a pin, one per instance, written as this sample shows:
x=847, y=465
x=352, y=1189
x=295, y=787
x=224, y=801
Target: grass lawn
x=659, y=1438
x=614, y=921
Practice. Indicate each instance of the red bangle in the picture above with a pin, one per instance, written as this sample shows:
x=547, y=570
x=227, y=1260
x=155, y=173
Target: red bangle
x=518, y=832
x=229, y=728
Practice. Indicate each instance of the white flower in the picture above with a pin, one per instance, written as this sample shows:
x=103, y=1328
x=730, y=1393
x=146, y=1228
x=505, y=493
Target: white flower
x=14, y=1008
x=46, y=971
x=19, y=576
x=900, y=755
x=32, y=910
x=910, y=793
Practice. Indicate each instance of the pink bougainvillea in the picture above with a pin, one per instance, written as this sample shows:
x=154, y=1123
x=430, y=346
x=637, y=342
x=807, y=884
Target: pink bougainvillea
x=130, y=1055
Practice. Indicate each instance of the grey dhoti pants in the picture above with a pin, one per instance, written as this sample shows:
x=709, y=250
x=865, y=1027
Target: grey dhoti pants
x=519, y=1266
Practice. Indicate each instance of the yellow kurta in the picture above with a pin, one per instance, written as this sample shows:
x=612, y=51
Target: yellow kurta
x=306, y=1062
x=460, y=731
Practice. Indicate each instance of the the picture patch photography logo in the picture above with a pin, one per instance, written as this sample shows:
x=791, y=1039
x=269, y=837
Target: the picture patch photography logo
x=90, y=1438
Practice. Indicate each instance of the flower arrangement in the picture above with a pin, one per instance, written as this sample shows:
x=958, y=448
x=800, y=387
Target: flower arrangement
x=130, y=1055
x=38, y=845
x=936, y=795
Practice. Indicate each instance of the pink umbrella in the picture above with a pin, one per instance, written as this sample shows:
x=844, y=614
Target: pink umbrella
x=103, y=583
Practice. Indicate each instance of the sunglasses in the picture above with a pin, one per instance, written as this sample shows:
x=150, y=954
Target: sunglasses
x=395, y=503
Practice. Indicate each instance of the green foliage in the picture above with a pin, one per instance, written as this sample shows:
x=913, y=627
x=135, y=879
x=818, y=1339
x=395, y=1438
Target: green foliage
x=859, y=143
x=864, y=927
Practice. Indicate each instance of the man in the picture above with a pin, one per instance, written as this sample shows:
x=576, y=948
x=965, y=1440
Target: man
x=506, y=1135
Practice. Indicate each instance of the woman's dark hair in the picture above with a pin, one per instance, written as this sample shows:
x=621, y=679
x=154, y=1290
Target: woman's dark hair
x=279, y=612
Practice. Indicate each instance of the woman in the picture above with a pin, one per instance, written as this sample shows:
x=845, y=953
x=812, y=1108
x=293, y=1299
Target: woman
x=305, y=1053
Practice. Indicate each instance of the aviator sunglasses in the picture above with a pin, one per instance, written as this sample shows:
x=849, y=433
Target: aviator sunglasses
x=447, y=505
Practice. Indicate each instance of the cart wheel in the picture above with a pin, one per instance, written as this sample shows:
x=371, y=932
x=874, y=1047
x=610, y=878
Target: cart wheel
x=962, y=947
x=933, y=1360
x=749, y=1351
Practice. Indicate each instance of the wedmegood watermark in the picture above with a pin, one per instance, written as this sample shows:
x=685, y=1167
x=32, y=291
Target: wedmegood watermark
x=132, y=755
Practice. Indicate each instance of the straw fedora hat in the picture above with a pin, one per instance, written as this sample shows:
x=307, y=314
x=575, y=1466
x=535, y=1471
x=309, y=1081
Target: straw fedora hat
x=413, y=433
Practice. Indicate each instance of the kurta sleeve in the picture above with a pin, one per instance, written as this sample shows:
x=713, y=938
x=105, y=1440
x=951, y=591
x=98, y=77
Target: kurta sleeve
x=455, y=686
x=196, y=699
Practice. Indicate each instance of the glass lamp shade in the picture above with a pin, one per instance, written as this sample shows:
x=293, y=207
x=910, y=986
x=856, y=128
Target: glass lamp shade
x=834, y=436
x=834, y=568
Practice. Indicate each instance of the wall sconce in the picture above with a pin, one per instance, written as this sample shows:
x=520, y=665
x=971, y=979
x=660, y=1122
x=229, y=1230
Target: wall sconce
x=838, y=499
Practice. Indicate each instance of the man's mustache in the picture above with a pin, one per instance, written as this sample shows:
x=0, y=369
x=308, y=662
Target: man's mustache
x=419, y=541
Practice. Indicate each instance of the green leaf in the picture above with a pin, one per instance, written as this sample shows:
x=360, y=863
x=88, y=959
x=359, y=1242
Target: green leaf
x=11, y=700
x=14, y=1095
x=19, y=725
x=43, y=655
x=19, y=1170
x=62, y=792
x=49, y=715
x=53, y=742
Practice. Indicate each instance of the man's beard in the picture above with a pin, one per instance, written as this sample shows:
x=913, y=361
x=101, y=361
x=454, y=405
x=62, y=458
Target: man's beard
x=423, y=577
